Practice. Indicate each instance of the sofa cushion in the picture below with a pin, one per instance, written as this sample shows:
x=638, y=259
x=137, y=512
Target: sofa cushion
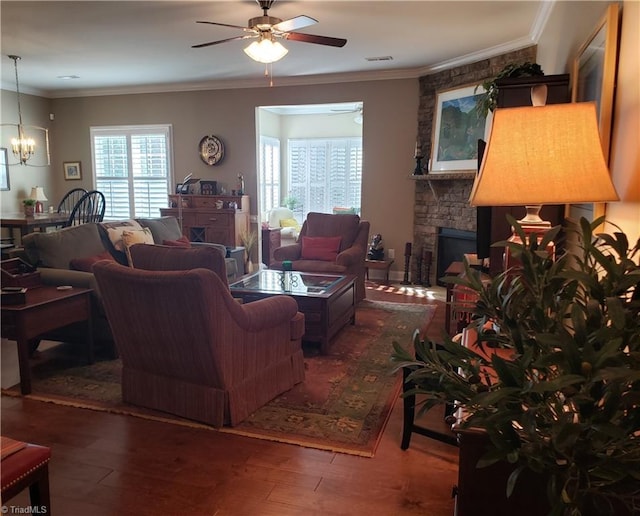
x=139, y=236
x=163, y=228
x=111, y=234
x=320, y=248
x=86, y=264
x=183, y=241
x=57, y=248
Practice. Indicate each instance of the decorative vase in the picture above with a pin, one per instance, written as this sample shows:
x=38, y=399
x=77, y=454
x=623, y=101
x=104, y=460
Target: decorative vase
x=248, y=266
x=29, y=210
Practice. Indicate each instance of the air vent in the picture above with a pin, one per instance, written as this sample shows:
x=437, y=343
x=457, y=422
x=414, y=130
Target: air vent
x=379, y=58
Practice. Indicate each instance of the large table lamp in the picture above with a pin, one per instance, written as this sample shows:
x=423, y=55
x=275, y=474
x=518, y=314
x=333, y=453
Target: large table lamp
x=539, y=155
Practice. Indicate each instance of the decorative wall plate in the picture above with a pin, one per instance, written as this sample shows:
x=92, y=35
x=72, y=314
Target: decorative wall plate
x=211, y=150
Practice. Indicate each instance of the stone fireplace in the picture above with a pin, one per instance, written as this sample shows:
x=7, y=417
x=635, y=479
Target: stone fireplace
x=442, y=209
x=442, y=199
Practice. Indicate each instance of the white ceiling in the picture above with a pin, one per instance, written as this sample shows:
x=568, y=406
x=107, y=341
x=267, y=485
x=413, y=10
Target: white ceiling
x=145, y=46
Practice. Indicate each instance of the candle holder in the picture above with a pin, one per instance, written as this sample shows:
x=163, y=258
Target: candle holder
x=418, y=169
x=407, y=261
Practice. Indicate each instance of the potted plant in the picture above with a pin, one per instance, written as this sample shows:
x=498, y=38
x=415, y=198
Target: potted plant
x=248, y=239
x=489, y=99
x=565, y=402
x=290, y=202
x=29, y=206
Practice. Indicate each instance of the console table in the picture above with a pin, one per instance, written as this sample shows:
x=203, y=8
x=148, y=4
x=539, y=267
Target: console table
x=204, y=221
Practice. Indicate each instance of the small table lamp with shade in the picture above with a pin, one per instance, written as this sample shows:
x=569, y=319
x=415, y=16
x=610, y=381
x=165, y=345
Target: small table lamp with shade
x=37, y=194
x=543, y=154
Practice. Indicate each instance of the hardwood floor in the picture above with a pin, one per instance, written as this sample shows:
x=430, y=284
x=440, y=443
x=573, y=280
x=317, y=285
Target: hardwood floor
x=108, y=464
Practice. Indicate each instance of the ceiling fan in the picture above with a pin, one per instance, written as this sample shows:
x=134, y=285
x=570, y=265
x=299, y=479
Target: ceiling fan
x=358, y=109
x=267, y=29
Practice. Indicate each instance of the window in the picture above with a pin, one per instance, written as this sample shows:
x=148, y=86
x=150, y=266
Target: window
x=132, y=169
x=269, y=173
x=325, y=174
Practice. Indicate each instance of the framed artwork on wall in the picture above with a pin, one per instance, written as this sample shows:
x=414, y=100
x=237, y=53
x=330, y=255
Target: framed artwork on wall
x=4, y=170
x=72, y=170
x=457, y=128
x=594, y=79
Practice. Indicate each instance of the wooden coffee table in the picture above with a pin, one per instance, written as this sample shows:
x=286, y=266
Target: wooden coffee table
x=46, y=309
x=327, y=301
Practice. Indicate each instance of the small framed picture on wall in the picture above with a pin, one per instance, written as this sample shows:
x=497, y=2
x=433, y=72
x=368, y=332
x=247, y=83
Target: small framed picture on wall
x=72, y=170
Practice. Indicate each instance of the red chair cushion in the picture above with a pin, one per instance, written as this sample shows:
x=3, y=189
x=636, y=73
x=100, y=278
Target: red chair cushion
x=320, y=248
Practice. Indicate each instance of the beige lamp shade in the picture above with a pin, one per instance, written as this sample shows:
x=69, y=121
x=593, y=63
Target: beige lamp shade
x=543, y=155
x=37, y=193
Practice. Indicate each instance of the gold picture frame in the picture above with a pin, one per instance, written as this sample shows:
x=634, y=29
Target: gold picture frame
x=457, y=126
x=72, y=170
x=594, y=79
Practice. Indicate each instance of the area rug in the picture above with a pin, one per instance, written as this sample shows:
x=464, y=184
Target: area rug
x=342, y=406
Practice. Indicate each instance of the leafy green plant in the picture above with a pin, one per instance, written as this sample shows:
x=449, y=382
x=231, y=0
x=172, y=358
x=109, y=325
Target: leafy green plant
x=489, y=99
x=29, y=202
x=290, y=202
x=565, y=398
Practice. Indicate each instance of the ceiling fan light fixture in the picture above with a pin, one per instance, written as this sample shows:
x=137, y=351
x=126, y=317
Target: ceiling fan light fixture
x=266, y=51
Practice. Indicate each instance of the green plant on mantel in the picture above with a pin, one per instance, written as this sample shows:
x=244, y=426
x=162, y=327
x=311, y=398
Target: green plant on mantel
x=29, y=202
x=489, y=99
x=565, y=403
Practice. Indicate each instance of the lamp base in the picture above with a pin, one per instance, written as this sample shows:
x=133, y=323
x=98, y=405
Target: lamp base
x=510, y=261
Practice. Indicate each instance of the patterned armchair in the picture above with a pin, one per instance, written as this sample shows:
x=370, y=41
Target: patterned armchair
x=351, y=236
x=188, y=348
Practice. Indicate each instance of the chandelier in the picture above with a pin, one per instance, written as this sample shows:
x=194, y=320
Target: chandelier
x=24, y=147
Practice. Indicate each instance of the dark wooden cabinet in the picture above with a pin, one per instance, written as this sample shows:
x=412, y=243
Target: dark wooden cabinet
x=216, y=219
x=516, y=93
x=271, y=239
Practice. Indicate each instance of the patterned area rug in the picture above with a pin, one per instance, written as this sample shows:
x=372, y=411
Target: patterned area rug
x=343, y=404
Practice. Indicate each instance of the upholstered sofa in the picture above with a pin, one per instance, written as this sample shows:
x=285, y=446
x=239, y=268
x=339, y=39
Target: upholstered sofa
x=347, y=237
x=66, y=256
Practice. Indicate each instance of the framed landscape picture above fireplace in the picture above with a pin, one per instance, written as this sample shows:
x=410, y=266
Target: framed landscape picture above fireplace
x=457, y=127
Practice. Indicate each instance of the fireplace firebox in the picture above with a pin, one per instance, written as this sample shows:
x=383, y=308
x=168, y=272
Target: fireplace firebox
x=453, y=244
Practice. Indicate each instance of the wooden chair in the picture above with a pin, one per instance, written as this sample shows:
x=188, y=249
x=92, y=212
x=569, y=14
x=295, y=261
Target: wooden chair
x=89, y=208
x=70, y=199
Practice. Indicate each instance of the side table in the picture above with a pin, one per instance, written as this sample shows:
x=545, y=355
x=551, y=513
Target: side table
x=271, y=240
x=383, y=265
x=46, y=308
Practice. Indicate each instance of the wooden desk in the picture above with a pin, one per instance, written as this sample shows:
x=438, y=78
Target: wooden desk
x=47, y=308
x=28, y=224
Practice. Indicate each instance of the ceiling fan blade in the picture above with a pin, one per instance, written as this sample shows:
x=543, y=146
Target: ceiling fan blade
x=299, y=22
x=312, y=38
x=223, y=25
x=201, y=45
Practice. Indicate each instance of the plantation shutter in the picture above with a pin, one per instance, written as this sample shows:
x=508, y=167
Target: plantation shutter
x=325, y=174
x=132, y=169
x=269, y=173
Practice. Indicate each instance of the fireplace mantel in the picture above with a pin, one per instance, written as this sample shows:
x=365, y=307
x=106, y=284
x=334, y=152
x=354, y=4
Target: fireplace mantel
x=446, y=176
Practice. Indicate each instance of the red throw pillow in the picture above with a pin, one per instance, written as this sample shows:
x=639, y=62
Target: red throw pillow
x=183, y=241
x=86, y=264
x=320, y=248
